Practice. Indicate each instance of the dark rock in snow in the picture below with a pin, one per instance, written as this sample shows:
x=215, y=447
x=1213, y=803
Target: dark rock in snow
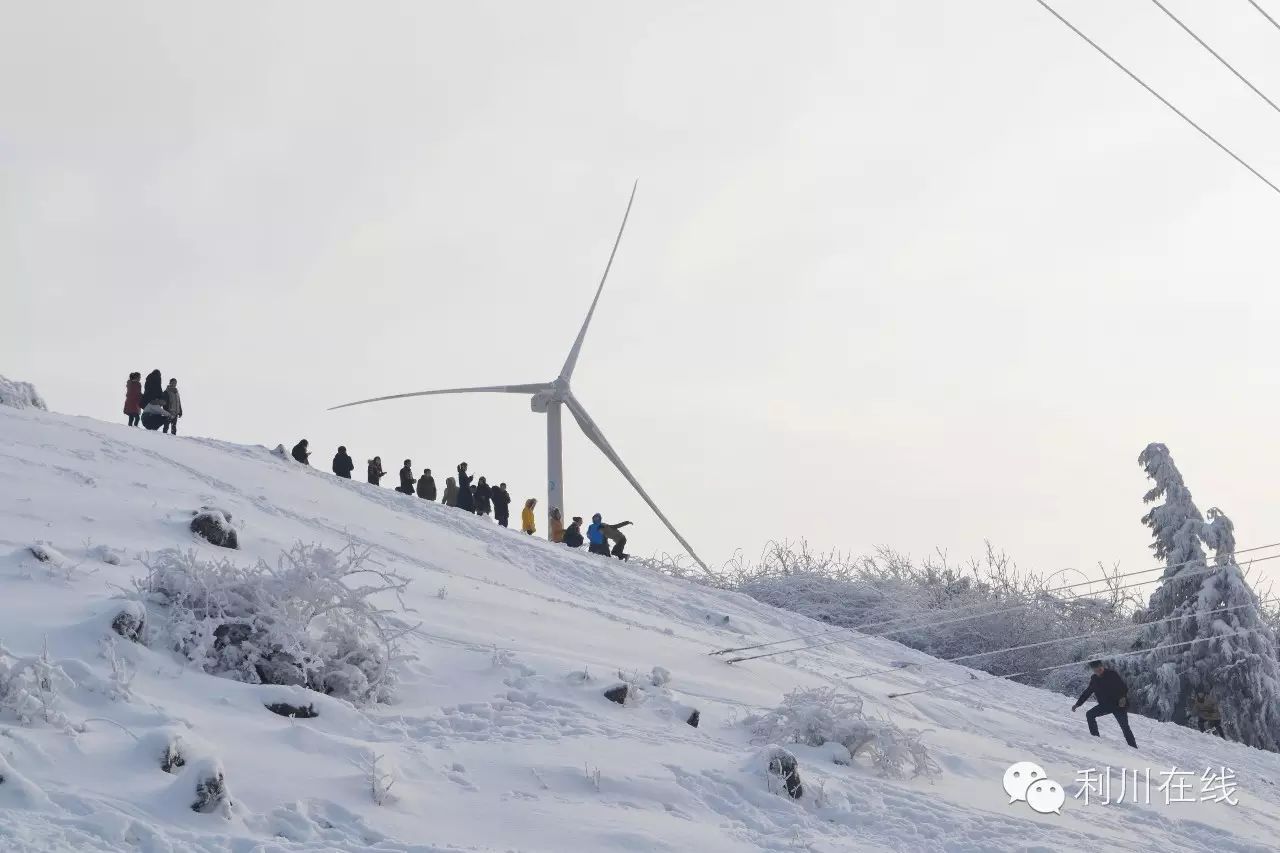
x=211, y=793
x=128, y=625
x=225, y=512
x=281, y=668
x=40, y=552
x=784, y=765
x=618, y=693
x=302, y=712
x=172, y=759
x=694, y=719
x=214, y=526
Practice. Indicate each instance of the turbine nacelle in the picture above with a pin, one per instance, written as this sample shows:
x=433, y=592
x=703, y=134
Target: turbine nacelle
x=541, y=401
x=555, y=392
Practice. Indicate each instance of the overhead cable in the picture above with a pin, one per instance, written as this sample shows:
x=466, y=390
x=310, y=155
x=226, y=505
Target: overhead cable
x=1137, y=626
x=1216, y=55
x=1206, y=134
x=1264, y=14
x=1099, y=656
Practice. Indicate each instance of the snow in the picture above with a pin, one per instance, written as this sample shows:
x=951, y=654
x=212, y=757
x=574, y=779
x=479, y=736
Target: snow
x=499, y=737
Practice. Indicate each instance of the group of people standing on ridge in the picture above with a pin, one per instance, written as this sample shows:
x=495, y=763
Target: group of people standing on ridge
x=153, y=405
x=478, y=496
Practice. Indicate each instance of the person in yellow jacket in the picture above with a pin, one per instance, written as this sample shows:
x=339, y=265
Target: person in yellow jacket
x=526, y=516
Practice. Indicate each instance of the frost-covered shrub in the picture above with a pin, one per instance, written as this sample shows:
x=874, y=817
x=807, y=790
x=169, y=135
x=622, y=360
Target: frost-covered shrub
x=379, y=777
x=20, y=395
x=30, y=688
x=310, y=620
x=122, y=671
x=945, y=609
x=819, y=716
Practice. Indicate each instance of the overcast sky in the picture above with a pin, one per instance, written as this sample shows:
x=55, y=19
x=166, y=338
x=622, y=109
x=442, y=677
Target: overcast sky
x=907, y=273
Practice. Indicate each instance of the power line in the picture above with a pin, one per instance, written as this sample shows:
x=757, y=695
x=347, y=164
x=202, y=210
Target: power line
x=1264, y=14
x=1216, y=55
x=829, y=632
x=934, y=624
x=1101, y=656
x=1117, y=63
x=1134, y=627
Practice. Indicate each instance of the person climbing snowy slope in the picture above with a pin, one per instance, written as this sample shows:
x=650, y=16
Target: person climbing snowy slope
x=1112, y=694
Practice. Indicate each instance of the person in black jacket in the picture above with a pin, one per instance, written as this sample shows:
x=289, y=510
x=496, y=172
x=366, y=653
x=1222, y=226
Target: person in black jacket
x=342, y=464
x=501, y=500
x=153, y=389
x=573, y=533
x=483, y=497
x=1112, y=694
x=406, y=478
x=466, y=500
x=375, y=470
x=427, y=485
x=300, y=452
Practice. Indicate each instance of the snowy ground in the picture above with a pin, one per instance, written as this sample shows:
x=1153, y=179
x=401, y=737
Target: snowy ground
x=494, y=745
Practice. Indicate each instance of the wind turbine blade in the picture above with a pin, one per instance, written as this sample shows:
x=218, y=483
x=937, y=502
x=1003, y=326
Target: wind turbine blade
x=494, y=389
x=572, y=361
x=597, y=438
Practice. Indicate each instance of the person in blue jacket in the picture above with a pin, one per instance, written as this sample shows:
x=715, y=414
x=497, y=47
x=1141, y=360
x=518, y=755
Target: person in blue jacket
x=595, y=537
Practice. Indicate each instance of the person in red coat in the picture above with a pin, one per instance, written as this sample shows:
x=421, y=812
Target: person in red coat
x=133, y=398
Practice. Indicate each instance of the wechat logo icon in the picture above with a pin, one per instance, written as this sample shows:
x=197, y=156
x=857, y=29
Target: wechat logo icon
x=1027, y=781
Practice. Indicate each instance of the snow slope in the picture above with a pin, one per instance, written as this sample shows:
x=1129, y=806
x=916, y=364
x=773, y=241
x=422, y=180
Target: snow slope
x=494, y=745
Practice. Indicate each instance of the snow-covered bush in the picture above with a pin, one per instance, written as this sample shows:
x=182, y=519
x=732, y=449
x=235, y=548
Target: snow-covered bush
x=122, y=671
x=945, y=609
x=819, y=716
x=378, y=776
x=20, y=395
x=30, y=687
x=310, y=620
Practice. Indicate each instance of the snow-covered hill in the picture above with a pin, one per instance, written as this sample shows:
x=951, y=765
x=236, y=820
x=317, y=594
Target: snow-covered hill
x=496, y=741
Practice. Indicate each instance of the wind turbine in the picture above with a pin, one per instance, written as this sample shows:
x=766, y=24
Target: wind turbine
x=549, y=397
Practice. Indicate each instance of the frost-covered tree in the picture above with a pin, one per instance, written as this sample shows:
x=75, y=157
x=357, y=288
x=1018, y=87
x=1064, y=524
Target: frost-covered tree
x=1236, y=657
